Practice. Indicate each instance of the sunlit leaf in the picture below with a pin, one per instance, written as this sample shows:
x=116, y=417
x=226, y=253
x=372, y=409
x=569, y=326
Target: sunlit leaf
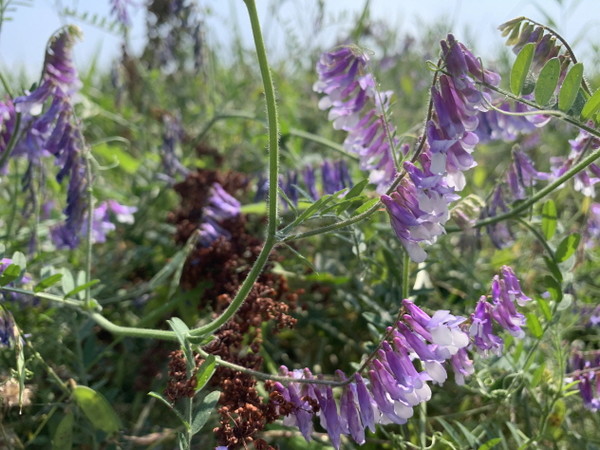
x=97, y=409
x=47, y=282
x=533, y=324
x=205, y=372
x=207, y=406
x=63, y=436
x=591, y=106
x=570, y=87
x=549, y=216
x=567, y=247
x=547, y=81
x=520, y=68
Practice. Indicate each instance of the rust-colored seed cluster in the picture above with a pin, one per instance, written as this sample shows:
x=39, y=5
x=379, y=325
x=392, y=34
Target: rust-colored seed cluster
x=225, y=264
x=179, y=385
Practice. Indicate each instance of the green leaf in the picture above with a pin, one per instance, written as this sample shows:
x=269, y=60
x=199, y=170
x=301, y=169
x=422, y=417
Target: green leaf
x=97, y=409
x=553, y=268
x=567, y=247
x=113, y=153
x=549, y=219
x=533, y=324
x=468, y=434
x=207, y=406
x=81, y=288
x=591, y=106
x=357, y=189
x=536, y=378
x=570, y=87
x=182, y=332
x=553, y=287
x=63, y=436
x=520, y=68
x=566, y=302
x=67, y=281
x=366, y=206
x=205, y=372
x=11, y=273
x=19, y=259
x=490, y=444
x=543, y=304
x=547, y=81
x=47, y=282
x=165, y=402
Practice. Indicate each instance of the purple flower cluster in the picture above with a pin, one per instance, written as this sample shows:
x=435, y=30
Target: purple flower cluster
x=586, y=179
x=418, y=208
x=396, y=382
x=119, y=9
x=506, y=291
x=335, y=177
x=101, y=219
x=585, y=368
x=418, y=351
x=494, y=125
x=55, y=131
x=356, y=106
x=172, y=134
x=592, y=229
x=7, y=328
x=458, y=103
x=219, y=207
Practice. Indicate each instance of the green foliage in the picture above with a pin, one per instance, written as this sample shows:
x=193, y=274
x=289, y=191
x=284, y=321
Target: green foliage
x=547, y=81
x=520, y=68
x=97, y=409
x=570, y=87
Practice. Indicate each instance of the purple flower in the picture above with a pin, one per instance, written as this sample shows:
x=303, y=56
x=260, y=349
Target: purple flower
x=8, y=330
x=289, y=185
x=587, y=178
x=481, y=329
x=335, y=176
x=348, y=93
x=462, y=366
x=172, y=135
x=499, y=232
x=310, y=182
x=342, y=80
x=101, y=219
x=493, y=125
x=504, y=311
x=219, y=207
x=592, y=230
x=118, y=8
x=59, y=77
x=418, y=208
x=585, y=367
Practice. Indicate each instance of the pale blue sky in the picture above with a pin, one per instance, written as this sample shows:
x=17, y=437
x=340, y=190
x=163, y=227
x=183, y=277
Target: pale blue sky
x=23, y=40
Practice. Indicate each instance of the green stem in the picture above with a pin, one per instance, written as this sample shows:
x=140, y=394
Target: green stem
x=405, y=273
x=272, y=118
x=273, y=126
x=89, y=225
x=242, y=293
x=146, y=333
x=218, y=117
x=12, y=141
x=321, y=140
x=538, y=195
x=538, y=236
